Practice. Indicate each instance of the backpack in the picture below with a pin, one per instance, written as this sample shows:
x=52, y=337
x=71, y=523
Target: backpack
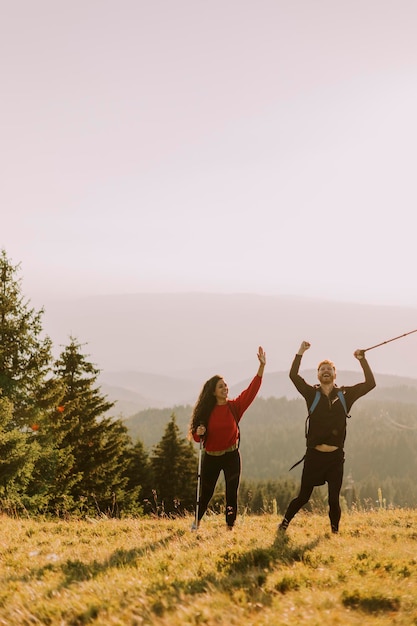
x=316, y=401
x=311, y=409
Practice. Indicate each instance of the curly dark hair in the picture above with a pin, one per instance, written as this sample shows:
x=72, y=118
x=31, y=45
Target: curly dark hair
x=204, y=405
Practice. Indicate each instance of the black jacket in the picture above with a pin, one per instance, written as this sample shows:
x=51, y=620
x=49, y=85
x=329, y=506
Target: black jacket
x=327, y=423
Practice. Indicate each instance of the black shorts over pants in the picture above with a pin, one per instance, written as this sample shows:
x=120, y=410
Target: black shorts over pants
x=319, y=468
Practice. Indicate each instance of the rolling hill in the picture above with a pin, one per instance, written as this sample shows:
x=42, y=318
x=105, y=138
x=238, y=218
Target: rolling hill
x=135, y=391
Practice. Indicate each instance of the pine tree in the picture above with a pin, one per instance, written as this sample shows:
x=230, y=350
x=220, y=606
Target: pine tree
x=25, y=358
x=174, y=469
x=25, y=366
x=98, y=444
x=52, y=478
x=139, y=478
x=16, y=459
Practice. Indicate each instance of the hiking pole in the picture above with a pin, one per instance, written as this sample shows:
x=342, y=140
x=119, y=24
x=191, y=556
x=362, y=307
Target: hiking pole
x=389, y=340
x=197, y=506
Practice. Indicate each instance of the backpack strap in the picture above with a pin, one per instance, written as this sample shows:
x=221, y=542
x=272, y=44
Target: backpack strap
x=232, y=409
x=341, y=397
x=311, y=409
x=315, y=402
x=298, y=463
x=343, y=401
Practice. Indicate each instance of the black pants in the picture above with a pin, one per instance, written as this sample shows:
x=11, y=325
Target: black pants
x=319, y=468
x=211, y=467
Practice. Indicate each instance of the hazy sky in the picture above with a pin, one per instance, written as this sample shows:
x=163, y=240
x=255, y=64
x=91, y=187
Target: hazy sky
x=259, y=146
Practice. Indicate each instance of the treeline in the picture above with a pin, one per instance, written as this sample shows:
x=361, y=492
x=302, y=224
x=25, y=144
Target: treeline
x=380, y=448
x=60, y=453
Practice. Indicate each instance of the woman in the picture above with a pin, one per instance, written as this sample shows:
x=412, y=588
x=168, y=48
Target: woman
x=215, y=419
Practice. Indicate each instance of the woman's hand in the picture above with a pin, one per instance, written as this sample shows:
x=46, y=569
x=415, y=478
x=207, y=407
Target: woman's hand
x=262, y=361
x=261, y=355
x=201, y=430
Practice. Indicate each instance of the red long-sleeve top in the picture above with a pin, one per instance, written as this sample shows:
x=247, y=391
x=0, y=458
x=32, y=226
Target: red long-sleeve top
x=222, y=431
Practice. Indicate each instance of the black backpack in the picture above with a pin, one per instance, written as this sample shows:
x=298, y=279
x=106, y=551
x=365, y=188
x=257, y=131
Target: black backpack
x=311, y=409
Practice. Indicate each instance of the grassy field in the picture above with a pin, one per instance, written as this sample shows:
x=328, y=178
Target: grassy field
x=136, y=571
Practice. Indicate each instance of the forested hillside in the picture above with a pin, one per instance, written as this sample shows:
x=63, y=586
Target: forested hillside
x=380, y=446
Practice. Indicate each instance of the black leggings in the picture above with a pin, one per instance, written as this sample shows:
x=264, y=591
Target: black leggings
x=211, y=467
x=320, y=467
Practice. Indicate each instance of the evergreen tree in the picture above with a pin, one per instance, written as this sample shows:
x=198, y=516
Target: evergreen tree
x=139, y=478
x=25, y=367
x=25, y=358
x=98, y=444
x=174, y=469
x=53, y=476
x=16, y=459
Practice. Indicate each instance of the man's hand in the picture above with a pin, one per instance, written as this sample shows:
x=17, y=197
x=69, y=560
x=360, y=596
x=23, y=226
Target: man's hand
x=359, y=354
x=305, y=345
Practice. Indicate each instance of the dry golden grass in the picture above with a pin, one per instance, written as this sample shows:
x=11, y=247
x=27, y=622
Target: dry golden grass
x=131, y=572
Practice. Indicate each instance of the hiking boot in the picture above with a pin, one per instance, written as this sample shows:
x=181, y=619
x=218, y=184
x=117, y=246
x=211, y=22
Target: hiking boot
x=283, y=526
x=335, y=529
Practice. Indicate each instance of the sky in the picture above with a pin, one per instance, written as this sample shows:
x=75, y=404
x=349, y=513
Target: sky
x=255, y=146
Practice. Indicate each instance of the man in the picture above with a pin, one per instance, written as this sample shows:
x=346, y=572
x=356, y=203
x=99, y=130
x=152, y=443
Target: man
x=324, y=458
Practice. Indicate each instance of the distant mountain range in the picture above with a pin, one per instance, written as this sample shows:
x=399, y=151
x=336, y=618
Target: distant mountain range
x=158, y=349
x=134, y=392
